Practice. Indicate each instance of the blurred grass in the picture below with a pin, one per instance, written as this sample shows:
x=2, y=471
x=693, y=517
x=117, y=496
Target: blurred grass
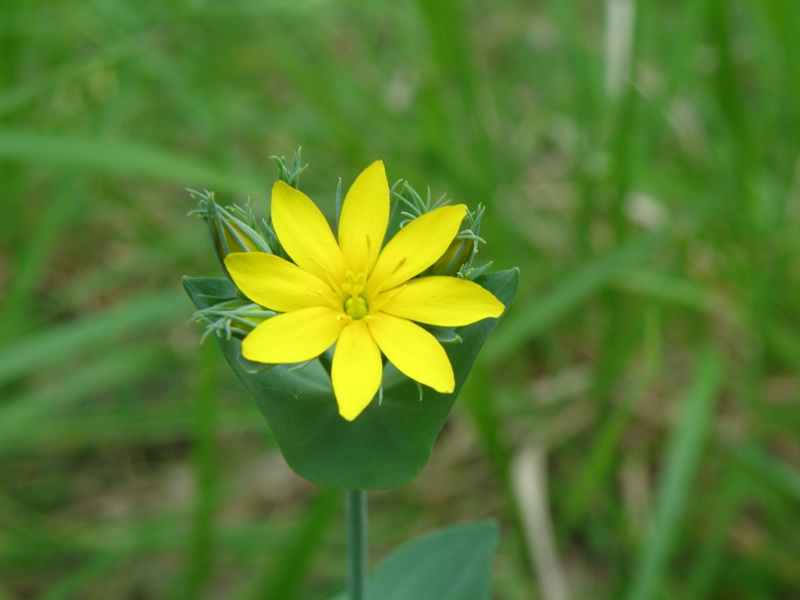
x=653, y=218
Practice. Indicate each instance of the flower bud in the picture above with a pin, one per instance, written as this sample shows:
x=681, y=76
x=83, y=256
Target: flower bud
x=231, y=228
x=458, y=254
x=457, y=259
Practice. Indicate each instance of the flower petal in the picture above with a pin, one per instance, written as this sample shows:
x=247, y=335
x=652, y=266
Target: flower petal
x=416, y=247
x=414, y=351
x=357, y=369
x=305, y=234
x=277, y=284
x=294, y=336
x=364, y=218
x=444, y=301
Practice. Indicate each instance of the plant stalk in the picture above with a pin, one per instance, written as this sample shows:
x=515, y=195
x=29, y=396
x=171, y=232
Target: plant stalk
x=356, y=515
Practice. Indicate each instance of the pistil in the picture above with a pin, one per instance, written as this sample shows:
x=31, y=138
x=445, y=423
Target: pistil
x=355, y=305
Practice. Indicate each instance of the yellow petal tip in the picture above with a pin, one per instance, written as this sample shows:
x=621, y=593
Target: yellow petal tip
x=348, y=416
x=498, y=310
x=351, y=412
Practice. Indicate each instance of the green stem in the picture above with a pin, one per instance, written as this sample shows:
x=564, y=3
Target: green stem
x=356, y=511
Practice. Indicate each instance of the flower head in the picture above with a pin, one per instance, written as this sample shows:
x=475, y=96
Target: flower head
x=357, y=293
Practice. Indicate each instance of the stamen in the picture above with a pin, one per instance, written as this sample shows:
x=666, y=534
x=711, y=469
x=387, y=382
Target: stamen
x=354, y=284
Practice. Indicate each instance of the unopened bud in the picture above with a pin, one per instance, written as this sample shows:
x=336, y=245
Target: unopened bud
x=229, y=228
x=458, y=254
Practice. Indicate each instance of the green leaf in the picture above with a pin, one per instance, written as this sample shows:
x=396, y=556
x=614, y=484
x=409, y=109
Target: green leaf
x=450, y=564
x=390, y=442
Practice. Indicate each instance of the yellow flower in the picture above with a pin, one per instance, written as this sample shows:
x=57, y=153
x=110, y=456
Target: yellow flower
x=355, y=294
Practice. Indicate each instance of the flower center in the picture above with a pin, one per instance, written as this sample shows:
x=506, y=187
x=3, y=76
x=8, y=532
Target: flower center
x=355, y=305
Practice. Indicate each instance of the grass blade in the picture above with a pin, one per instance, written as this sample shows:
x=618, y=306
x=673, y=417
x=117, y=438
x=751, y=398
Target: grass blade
x=122, y=158
x=63, y=342
x=769, y=469
x=24, y=414
x=200, y=554
x=521, y=325
x=291, y=567
x=680, y=464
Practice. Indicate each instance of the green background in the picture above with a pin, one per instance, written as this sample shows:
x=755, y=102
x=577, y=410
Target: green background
x=633, y=422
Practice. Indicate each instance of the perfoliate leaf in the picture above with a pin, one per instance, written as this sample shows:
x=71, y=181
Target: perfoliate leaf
x=390, y=442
